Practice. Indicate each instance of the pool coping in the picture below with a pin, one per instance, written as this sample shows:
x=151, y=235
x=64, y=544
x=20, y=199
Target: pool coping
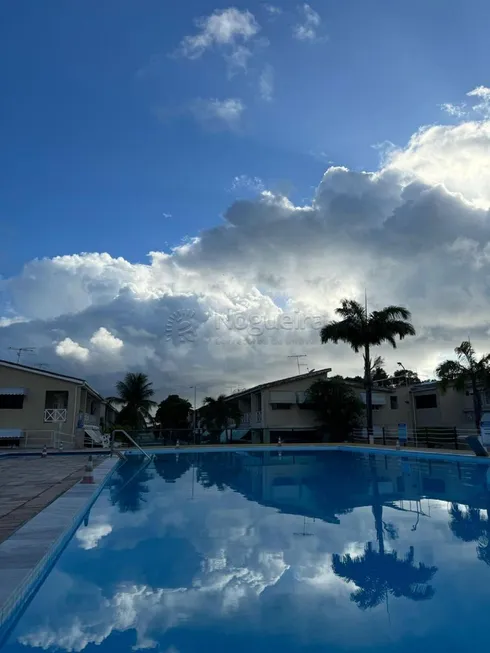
x=28, y=554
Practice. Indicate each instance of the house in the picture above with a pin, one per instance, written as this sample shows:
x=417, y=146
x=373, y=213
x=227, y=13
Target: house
x=278, y=408
x=39, y=407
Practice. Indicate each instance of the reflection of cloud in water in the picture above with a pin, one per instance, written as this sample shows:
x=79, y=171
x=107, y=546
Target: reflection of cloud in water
x=89, y=536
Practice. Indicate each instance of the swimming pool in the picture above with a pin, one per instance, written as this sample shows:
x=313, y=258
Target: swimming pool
x=287, y=551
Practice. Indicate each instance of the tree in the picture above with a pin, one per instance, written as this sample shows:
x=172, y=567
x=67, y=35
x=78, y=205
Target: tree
x=134, y=394
x=337, y=407
x=173, y=413
x=466, y=370
x=377, y=575
x=378, y=373
x=405, y=377
x=217, y=413
x=363, y=330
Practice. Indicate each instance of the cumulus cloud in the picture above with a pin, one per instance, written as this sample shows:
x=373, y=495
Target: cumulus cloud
x=307, y=29
x=218, y=114
x=416, y=232
x=66, y=348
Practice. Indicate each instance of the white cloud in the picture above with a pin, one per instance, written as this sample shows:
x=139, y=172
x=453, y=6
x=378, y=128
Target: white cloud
x=266, y=83
x=67, y=348
x=456, y=110
x=482, y=93
x=227, y=30
x=90, y=536
x=308, y=28
x=244, y=182
x=105, y=341
x=416, y=232
x=219, y=114
x=273, y=10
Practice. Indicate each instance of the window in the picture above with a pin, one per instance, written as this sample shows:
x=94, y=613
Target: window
x=280, y=406
x=426, y=401
x=11, y=402
x=56, y=399
x=377, y=407
x=394, y=403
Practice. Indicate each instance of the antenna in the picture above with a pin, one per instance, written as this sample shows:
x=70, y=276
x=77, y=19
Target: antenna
x=298, y=356
x=19, y=351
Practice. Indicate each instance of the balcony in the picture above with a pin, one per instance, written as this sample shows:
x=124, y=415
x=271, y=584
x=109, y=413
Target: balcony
x=55, y=415
x=90, y=420
x=245, y=421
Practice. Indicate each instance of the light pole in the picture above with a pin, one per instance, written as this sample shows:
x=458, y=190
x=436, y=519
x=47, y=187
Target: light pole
x=404, y=369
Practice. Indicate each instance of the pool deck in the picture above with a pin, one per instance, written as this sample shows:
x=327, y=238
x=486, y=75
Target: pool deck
x=28, y=485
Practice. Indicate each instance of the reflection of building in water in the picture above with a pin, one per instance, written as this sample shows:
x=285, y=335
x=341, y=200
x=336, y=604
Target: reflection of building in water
x=327, y=485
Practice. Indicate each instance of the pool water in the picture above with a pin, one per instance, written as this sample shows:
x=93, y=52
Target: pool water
x=299, y=551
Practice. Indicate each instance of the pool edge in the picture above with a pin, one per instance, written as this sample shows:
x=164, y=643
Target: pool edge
x=23, y=591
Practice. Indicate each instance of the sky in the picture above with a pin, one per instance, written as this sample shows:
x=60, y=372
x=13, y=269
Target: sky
x=176, y=177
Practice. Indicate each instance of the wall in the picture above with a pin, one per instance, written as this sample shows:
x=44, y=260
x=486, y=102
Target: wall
x=31, y=416
x=295, y=417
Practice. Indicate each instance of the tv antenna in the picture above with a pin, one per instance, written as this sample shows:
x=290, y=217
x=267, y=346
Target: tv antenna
x=298, y=356
x=20, y=350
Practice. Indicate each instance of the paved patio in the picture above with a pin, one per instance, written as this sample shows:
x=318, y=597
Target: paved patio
x=28, y=485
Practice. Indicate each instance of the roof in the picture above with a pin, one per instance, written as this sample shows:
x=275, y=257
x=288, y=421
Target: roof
x=289, y=379
x=52, y=375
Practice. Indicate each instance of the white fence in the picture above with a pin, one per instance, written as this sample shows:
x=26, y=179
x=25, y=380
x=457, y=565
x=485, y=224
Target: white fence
x=51, y=439
x=427, y=438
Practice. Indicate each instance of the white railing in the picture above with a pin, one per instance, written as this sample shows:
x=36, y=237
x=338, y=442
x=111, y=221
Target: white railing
x=50, y=439
x=90, y=420
x=258, y=417
x=55, y=414
x=245, y=418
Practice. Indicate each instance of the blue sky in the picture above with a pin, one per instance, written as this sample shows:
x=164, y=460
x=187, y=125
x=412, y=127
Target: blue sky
x=88, y=163
x=276, y=158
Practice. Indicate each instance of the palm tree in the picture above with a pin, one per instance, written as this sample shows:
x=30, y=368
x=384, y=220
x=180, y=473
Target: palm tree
x=134, y=393
x=466, y=370
x=377, y=575
x=363, y=330
x=217, y=413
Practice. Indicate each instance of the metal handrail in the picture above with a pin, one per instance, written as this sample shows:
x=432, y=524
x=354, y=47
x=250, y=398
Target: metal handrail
x=131, y=440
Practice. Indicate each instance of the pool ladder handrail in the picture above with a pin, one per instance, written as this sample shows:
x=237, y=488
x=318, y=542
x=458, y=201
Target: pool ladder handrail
x=145, y=453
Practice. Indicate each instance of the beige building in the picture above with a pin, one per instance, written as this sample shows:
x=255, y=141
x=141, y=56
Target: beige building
x=278, y=408
x=40, y=408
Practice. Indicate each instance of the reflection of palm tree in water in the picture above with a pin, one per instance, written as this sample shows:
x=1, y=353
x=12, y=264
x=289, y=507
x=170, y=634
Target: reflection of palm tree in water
x=127, y=487
x=378, y=574
x=471, y=526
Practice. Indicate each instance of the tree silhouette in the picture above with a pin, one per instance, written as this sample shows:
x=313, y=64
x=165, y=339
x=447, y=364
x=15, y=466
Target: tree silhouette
x=171, y=468
x=471, y=526
x=363, y=330
x=379, y=574
x=128, y=485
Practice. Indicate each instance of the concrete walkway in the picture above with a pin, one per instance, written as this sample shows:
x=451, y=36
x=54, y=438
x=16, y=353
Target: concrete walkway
x=28, y=485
